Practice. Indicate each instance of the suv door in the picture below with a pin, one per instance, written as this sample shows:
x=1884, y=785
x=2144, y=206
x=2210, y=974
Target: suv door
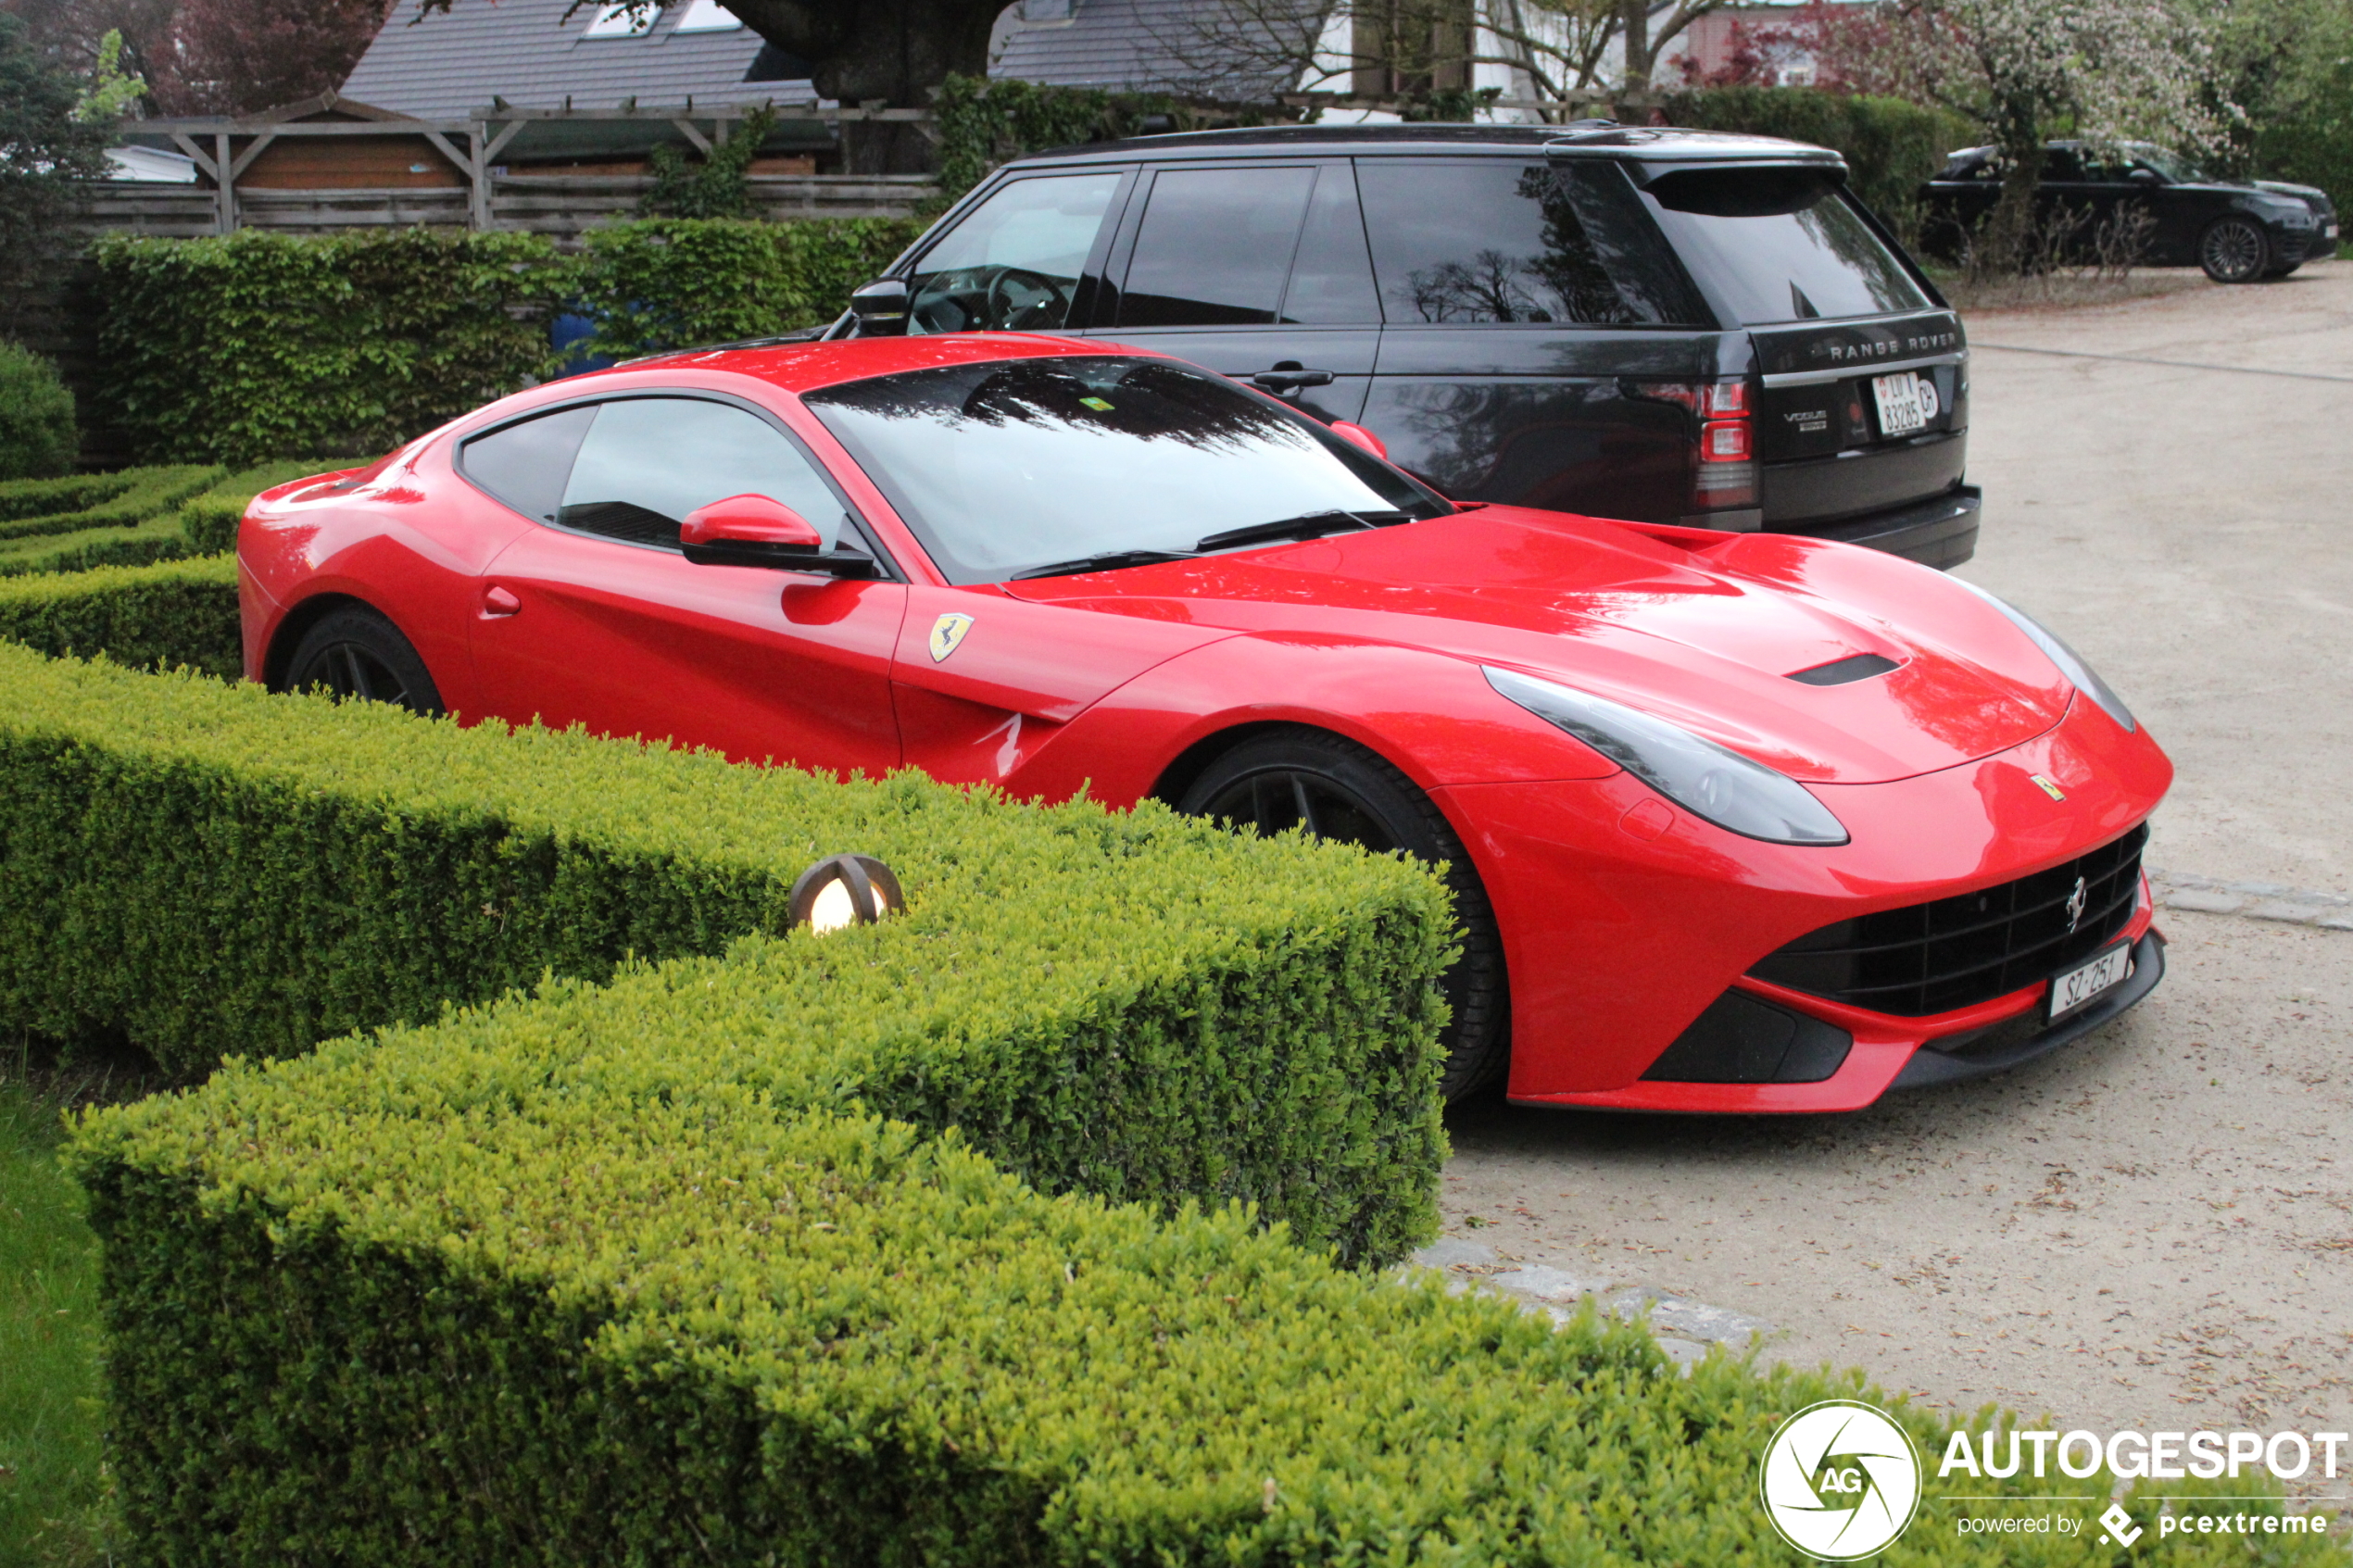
x=1521, y=302
x=596, y=617
x=1018, y=261
x=1255, y=270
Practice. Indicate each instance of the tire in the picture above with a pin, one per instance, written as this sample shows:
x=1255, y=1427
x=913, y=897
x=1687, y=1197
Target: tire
x=354, y=652
x=2235, y=250
x=1338, y=789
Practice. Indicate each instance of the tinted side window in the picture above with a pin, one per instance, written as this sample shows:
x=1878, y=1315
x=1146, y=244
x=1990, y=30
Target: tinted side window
x=1331, y=283
x=526, y=465
x=648, y=461
x=2062, y=164
x=1491, y=240
x=1013, y=262
x=1214, y=247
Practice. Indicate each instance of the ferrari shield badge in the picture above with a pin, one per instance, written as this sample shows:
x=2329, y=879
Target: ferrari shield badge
x=2049, y=784
x=946, y=633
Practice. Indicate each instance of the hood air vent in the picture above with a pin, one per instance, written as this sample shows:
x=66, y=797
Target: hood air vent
x=1860, y=667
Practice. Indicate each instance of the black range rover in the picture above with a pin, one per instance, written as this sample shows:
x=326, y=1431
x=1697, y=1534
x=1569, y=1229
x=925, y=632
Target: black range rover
x=1672, y=326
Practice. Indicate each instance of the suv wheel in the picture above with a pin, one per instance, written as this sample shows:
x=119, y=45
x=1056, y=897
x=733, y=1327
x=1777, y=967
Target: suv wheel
x=1334, y=789
x=2234, y=250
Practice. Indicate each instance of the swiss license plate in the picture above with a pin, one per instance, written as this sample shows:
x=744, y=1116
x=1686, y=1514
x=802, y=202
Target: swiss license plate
x=1907, y=402
x=2085, y=981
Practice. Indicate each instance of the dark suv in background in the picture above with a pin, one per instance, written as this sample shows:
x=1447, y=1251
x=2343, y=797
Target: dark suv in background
x=2237, y=229
x=1671, y=326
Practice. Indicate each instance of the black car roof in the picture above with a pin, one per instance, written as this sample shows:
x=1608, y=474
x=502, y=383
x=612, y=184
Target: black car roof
x=1643, y=144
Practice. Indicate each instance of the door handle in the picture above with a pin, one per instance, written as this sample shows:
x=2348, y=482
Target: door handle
x=1289, y=378
x=498, y=601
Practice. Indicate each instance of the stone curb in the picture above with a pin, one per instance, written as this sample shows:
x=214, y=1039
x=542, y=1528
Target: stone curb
x=1684, y=1329
x=2253, y=900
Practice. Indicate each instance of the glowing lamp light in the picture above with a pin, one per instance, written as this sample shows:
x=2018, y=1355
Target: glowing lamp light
x=844, y=890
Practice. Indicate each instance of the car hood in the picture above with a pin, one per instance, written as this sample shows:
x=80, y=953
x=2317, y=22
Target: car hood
x=2310, y=194
x=1702, y=629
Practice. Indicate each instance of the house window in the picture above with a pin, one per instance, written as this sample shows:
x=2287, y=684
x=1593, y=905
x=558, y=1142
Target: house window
x=708, y=16
x=619, y=21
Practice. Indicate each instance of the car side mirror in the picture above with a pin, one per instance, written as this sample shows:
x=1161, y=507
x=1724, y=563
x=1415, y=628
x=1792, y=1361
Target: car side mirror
x=1357, y=435
x=757, y=531
x=881, y=308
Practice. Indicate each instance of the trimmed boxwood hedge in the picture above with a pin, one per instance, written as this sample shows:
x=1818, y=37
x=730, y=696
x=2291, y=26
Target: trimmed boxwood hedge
x=152, y=617
x=1137, y=1004
x=510, y=1291
x=122, y=500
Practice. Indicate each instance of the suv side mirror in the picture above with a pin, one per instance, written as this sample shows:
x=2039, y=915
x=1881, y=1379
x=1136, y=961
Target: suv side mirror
x=881, y=308
x=1357, y=435
x=757, y=531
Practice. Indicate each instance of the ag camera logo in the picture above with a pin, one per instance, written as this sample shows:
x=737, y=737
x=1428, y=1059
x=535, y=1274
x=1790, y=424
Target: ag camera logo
x=1841, y=1480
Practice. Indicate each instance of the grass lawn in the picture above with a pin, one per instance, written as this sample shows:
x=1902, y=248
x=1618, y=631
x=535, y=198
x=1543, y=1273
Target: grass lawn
x=53, y=1510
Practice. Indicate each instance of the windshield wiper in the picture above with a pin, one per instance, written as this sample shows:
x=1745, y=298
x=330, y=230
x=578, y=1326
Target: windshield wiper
x=1307, y=525
x=1103, y=562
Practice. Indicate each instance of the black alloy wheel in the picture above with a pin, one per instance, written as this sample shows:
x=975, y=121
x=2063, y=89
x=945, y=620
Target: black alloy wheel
x=1334, y=789
x=355, y=653
x=2235, y=250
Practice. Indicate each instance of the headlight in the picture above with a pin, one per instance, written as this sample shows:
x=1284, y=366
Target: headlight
x=1699, y=775
x=2071, y=663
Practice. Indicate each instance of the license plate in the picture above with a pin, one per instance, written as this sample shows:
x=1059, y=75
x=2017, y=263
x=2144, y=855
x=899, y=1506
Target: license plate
x=1907, y=402
x=2086, y=980
x=2330, y=231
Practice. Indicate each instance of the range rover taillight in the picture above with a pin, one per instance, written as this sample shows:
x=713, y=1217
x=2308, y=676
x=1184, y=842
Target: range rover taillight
x=1724, y=477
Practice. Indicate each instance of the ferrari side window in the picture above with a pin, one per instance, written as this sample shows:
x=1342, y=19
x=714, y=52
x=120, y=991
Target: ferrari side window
x=1013, y=263
x=648, y=461
x=524, y=465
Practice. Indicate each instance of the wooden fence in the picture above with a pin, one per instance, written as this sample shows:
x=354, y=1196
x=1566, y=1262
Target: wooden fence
x=561, y=206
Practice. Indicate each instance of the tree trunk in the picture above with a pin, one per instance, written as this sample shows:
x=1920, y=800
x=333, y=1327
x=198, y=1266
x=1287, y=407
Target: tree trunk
x=2005, y=243
x=1634, y=28
x=890, y=51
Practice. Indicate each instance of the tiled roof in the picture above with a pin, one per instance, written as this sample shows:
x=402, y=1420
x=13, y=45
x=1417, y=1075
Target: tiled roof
x=447, y=65
x=1198, y=47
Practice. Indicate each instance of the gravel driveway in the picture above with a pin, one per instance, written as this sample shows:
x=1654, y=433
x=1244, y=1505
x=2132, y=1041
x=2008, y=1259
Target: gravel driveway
x=2155, y=1228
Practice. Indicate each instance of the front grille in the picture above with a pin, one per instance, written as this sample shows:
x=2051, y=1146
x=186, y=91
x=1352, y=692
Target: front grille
x=1960, y=951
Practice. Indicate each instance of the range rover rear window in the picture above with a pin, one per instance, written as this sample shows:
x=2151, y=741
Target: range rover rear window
x=1497, y=240
x=1780, y=245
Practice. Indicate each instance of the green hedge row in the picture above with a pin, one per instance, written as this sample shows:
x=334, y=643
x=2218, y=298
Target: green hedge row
x=674, y=283
x=154, y=617
x=130, y=518
x=255, y=346
x=563, y=1282
x=1137, y=1004
x=1891, y=145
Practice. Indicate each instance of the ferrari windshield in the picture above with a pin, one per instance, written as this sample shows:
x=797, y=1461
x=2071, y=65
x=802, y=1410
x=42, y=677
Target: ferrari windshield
x=1025, y=467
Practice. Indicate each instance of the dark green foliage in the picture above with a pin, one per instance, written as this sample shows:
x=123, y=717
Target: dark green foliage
x=510, y=1290
x=668, y=284
x=982, y=123
x=714, y=187
x=210, y=520
x=44, y=153
x=2312, y=143
x=258, y=344
x=1135, y=1004
x=1890, y=146
x=154, y=617
x=37, y=437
